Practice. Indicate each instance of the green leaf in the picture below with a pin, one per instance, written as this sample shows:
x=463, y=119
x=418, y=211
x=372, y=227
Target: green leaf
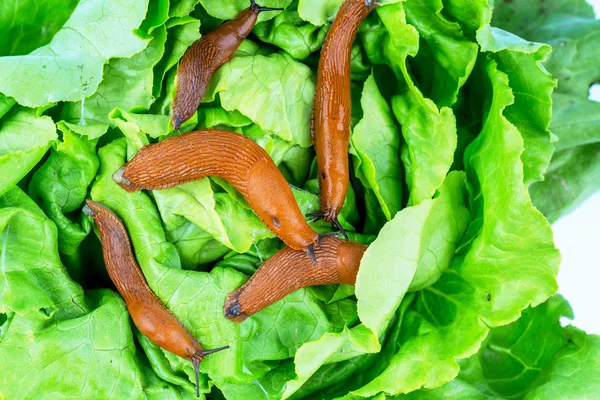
x=376, y=141
x=575, y=121
x=60, y=187
x=446, y=58
x=127, y=83
x=34, y=280
x=573, y=176
x=532, y=86
x=6, y=104
x=27, y=25
x=521, y=17
x=101, y=342
x=513, y=356
x=229, y=10
x=503, y=211
x=574, y=371
x=443, y=231
x=282, y=91
x=24, y=139
x=291, y=33
x=429, y=132
x=69, y=68
x=181, y=34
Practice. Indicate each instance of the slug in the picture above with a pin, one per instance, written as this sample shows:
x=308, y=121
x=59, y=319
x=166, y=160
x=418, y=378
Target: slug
x=148, y=313
x=332, y=109
x=288, y=271
x=205, y=57
x=230, y=156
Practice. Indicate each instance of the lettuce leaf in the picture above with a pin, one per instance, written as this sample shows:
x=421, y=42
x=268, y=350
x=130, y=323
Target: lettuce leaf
x=282, y=90
x=59, y=187
x=376, y=145
x=24, y=139
x=27, y=25
x=429, y=132
x=69, y=68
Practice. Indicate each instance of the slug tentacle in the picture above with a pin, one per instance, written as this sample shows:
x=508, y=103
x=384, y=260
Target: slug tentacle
x=290, y=270
x=331, y=217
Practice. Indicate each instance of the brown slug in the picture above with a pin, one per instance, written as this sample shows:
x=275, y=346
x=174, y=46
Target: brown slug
x=230, y=156
x=288, y=270
x=205, y=57
x=332, y=109
x=148, y=313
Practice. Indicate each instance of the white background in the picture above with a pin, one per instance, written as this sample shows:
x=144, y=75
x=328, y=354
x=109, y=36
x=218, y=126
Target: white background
x=577, y=235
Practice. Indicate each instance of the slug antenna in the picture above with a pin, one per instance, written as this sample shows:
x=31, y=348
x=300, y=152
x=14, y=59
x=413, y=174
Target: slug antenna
x=261, y=9
x=196, y=363
x=334, y=222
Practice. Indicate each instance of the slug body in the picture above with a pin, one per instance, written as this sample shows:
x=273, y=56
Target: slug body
x=332, y=108
x=205, y=57
x=148, y=313
x=230, y=156
x=289, y=270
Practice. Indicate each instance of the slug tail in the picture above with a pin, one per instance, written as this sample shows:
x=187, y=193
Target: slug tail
x=233, y=308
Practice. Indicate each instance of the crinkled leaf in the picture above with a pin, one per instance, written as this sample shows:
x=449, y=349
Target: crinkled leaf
x=127, y=83
x=445, y=56
x=288, y=31
x=429, y=133
x=24, y=139
x=532, y=86
x=228, y=10
x=376, y=142
x=282, y=93
x=60, y=187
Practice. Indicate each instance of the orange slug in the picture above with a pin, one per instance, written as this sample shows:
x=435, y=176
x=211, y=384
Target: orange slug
x=288, y=270
x=148, y=313
x=205, y=57
x=230, y=156
x=332, y=109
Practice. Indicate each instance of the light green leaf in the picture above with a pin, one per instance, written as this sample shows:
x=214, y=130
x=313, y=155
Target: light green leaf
x=446, y=58
x=60, y=187
x=69, y=68
x=127, y=84
x=24, y=139
x=376, y=141
x=291, y=33
x=532, y=86
x=429, y=132
x=282, y=93
x=505, y=213
x=229, y=10
x=33, y=279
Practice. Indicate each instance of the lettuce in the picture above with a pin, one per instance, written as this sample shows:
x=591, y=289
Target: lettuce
x=471, y=130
